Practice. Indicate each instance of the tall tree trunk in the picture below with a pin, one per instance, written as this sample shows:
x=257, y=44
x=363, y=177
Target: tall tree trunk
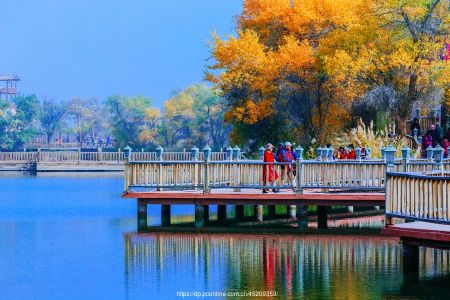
x=405, y=106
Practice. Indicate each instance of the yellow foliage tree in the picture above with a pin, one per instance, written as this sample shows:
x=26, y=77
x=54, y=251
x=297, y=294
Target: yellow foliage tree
x=298, y=66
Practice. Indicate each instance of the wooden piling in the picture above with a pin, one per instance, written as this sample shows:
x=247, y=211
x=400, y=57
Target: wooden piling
x=165, y=215
x=322, y=217
x=199, y=216
x=292, y=212
x=271, y=212
x=258, y=209
x=206, y=214
x=302, y=216
x=239, y=212
x=221, y=213
x=141, y=215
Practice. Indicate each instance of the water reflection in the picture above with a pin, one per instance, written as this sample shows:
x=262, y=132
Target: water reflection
x=307, y=266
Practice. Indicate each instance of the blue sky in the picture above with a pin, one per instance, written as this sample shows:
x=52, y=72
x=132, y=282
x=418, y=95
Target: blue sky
x=96, y=48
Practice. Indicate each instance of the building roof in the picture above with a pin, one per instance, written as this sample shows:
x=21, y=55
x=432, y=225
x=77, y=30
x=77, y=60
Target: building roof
x=7, y=77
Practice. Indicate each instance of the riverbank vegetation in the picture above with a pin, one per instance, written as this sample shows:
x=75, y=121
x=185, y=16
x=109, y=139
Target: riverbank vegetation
x=193, y=116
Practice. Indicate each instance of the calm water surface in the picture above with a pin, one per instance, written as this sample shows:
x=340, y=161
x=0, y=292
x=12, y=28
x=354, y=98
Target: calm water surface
x=70, y=236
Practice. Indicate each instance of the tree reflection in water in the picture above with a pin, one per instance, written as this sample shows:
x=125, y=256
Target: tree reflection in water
x=294, y=266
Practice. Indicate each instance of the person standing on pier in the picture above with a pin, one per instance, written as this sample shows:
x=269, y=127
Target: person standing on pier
x=286, y=155
x=270, y=175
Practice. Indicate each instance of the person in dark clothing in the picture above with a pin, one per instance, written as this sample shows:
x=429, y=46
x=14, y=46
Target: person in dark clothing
x=433, y=134
x=440, y=134
x=415, y=125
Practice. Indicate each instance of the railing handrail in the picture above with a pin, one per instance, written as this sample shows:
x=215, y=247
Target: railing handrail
x=418, y=196
x=418, y=175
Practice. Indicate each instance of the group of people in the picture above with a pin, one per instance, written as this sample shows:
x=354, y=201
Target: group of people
x=282, y=154
x=349, y=152
x=436, y=135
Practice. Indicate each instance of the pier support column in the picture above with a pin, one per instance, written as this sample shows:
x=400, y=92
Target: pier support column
x=206, y=214
x=165, y=215
x=271, y=214
x=322, y=217
x=292, y=212
x=302, y=216
x=221, y=213
x=258, y=209
x=141, y=215
x=239, y=212
x=199, y=216
x=410, y=261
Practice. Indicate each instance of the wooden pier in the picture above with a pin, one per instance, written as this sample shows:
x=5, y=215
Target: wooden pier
x=423, y=201
x=409, y=189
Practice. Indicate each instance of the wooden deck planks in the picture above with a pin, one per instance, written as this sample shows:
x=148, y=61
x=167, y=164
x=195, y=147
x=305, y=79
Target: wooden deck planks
x=255, y=197
x=419, y=231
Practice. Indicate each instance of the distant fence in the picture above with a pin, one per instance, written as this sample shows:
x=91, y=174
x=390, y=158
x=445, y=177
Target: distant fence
x=75, y=156
x=419, y=197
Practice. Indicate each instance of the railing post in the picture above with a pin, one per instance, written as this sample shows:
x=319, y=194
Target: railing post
x=79, y=154
x=127, y=168
x=159, y=157
x=405, y=158
x=358, y=153
x=234, y=154
x=194, y=156
x=207, y=154
x=389, y=154
x=299, y=153
x=319, y=153
x=237, y=168
x=118, y=154
x=430, y=151
x=258, y=209
x=99, y=154
x=438, y=155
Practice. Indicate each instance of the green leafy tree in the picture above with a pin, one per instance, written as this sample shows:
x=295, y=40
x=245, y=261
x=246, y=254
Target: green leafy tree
x=51, y=115
x=194, y=116
x=17, y=121
x=131, y=120
x=86, y=115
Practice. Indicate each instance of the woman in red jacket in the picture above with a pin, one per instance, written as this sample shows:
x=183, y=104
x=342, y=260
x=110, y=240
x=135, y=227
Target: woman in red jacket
x=269, y=173
x=351, y=152
x=445, y=145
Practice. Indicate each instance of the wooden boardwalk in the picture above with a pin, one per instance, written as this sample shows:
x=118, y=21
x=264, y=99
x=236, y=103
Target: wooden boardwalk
x=255, y=197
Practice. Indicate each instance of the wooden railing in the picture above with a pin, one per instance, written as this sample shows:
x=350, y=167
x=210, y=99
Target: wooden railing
x=358, y=175
x=76, y=156
x=344, y=174
x=418, y=197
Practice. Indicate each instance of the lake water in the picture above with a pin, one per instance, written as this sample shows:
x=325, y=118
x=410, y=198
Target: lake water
x=71, y=236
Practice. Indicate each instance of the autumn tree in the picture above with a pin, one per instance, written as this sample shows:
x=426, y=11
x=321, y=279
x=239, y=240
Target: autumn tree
x=391, y=56
x=295, y=68
x=273, y=74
